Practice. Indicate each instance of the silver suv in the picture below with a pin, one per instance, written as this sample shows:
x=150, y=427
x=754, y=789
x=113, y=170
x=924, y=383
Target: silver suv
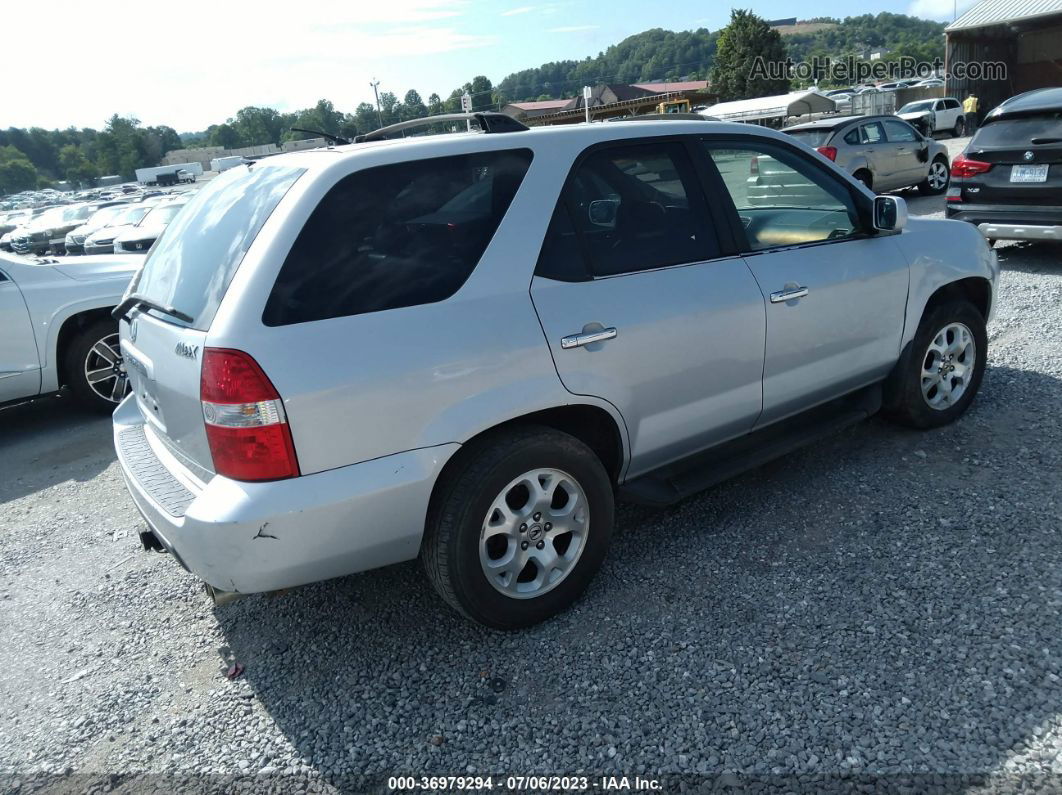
x=463, y=347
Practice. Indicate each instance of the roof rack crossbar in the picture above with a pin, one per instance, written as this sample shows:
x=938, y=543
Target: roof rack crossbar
x=665, y=117
x=488, y=122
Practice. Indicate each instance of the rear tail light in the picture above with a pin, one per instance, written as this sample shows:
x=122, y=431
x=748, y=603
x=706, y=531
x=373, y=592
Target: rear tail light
x=754, y=166
x=829, y=152
x=962, y=166
x=246, y=426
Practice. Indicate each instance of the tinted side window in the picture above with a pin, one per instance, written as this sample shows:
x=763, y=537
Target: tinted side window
x=561, y=256
x=395, y=236
x=852, y=137
x=639, y=207
x=899, y=132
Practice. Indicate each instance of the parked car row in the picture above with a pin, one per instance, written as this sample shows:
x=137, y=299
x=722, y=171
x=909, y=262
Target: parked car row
x=98, y=227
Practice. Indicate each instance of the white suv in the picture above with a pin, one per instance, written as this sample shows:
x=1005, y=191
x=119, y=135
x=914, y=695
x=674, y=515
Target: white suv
x=461, y=347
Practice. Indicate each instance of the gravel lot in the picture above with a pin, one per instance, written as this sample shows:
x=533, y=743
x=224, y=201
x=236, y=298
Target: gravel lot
x=883, y=602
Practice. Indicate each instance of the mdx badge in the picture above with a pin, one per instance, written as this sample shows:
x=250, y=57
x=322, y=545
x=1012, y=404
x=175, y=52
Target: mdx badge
x=186, y=350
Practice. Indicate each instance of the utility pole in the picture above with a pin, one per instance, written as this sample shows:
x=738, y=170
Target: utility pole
x=379, y=113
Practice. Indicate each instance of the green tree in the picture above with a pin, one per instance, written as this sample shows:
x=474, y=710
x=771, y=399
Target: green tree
x=748, y=48
x=223, y=135
x=17, y=173
x=77, y=168
x=435, y=104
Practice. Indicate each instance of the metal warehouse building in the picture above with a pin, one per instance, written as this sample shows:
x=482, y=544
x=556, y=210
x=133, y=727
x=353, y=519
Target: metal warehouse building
x=1024, y=35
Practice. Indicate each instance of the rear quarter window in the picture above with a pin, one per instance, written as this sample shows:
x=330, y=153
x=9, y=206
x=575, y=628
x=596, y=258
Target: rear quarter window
x=395, y=236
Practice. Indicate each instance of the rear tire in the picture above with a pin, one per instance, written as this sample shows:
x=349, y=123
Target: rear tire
x=491, y=513
x=936, y=380
x=93, y=369
x=960, y=127
x=937, y=178
x=865, y=177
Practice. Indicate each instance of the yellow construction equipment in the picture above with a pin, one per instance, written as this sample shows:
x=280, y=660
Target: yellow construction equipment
x=674, y=106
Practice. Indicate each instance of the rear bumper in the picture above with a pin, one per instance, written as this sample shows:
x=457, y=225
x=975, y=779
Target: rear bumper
x=251, y=537
x=1010, y=222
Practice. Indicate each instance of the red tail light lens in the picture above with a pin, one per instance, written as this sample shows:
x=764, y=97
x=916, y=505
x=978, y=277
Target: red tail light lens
x=829, y=152
x=963, y=166
x=246, y=426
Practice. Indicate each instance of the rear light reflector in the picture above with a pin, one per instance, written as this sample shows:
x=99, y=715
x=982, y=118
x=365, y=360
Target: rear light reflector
x=754, y=166
x=954, y=194
x=963, y=166
x=246, y=425
x=829, y=152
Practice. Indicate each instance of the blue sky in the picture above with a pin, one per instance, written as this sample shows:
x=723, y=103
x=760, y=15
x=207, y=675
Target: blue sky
x=269, y=52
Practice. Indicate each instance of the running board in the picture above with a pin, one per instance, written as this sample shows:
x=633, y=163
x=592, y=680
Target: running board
x=681, y=479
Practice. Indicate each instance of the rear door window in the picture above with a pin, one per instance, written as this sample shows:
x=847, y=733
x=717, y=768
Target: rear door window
x=872, y=133
x=196, y=257
x=632, y=208
x=395, y=236
x=899, y=132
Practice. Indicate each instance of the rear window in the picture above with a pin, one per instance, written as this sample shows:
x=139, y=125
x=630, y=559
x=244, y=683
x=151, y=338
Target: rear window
x=1020, y=130
x=395, y=236
x=195, y=259
x=813, y=138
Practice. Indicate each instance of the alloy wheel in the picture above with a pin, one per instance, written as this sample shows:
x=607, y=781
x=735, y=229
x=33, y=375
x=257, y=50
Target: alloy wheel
x=938, y=175
x=104, y=370
x=948, y=366
x=534, y=533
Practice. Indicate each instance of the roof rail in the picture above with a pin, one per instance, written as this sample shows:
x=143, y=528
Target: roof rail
x=488, y=122
x=665, y=117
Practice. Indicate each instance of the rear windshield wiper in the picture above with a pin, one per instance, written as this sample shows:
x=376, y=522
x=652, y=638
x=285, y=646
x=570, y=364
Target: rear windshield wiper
x=120, y=311
x=333, y=138
x=1046, y=141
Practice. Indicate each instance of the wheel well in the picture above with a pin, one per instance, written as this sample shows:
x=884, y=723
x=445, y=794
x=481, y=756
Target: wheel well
x=71, y=326
x=975, y=290
x=591, y=425
x=870, y=176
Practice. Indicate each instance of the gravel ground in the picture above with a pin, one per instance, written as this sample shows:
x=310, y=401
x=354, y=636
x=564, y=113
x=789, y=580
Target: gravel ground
x=882, y=602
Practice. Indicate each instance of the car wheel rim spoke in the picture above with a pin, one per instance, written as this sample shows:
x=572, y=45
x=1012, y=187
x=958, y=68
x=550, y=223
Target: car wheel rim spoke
x=534, y=533
x=947, y=366
x=104, y=371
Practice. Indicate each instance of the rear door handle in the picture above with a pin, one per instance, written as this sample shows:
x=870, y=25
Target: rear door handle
x=579, y=340
x=788, y=294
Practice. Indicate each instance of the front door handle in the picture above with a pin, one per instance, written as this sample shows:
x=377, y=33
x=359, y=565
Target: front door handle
x=579, y=340
x=788, y=294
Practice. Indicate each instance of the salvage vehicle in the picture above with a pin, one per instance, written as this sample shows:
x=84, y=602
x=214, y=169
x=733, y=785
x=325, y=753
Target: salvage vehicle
x=462, y=347
x=1008, y=181
x=935, y=115
x=56, y=328
x=882, y=152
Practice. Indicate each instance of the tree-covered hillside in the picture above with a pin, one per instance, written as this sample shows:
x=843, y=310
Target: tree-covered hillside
x=657, y=54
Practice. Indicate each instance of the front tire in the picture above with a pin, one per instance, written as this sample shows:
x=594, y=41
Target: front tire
x=936, y=381
x=937, y=178
x=518, y=527
x=960, y=127
x=93, y=367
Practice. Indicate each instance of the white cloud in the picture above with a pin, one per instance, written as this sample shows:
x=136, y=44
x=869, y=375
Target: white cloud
x=101, y=58
x=512, y=12
x=572, y=28
x=941, y=10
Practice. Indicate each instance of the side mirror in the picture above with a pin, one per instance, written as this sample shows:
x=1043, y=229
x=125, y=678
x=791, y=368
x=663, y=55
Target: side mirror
x=890, y=213
x=602, y=212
